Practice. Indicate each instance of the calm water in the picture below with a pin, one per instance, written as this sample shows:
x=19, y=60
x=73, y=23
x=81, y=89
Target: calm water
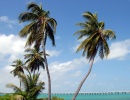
x=92, y=96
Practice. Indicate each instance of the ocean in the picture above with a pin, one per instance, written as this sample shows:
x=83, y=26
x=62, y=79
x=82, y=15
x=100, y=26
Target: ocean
x=91, y=96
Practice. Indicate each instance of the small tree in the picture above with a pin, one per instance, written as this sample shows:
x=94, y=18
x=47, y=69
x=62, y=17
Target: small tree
x=18, y=70
x=31, y=86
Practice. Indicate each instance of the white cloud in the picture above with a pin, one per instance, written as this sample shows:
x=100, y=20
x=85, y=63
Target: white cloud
x=119, y=50
x=9, y=22
x=6, y=20
x=53, y=53
x=11, y=46
x=65, y=74
x=5, y=78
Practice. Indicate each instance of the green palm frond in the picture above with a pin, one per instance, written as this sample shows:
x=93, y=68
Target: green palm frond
x=109, y=34
x=25, y=31
x=34, y=59
x=27, y=16
x=18, y=64
x=90, y=17
x=96, y=37
x=53, y=24
x=14, y=87
x=101, y=25
x=34, y=8
x=40, y=28
x=50, y=34
x=31, y=86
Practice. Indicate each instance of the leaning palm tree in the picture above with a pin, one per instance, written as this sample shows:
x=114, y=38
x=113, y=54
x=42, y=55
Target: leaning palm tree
x=41, y=26
x=34, y=59
x=31, y=86
x=96, y=41
x=18, y=64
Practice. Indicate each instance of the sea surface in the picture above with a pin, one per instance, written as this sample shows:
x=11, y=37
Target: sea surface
x=91, y=96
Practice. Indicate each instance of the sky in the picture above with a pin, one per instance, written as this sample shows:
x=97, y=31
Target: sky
x=68, y=68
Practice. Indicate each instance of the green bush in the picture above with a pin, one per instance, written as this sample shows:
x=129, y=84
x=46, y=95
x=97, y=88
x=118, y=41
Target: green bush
x=56, y=98
x=6, y=97
x=53, y=98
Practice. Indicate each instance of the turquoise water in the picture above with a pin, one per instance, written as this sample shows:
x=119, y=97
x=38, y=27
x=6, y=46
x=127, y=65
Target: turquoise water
x=92, y=96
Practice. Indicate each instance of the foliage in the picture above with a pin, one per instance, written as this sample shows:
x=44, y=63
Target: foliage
x=95, y=37
x=31, y=86
x=6, y=97
x=41, y=25
x=53, y=98
x=34, y=59
x=56, y=98
x=18, y=64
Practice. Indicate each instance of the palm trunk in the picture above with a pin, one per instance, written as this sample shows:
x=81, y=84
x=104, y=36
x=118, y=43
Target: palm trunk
x=20, y=83
x=48, y=74
x=80, y=85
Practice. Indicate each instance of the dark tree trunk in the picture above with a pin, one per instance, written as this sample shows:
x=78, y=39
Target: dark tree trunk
x=80, y=85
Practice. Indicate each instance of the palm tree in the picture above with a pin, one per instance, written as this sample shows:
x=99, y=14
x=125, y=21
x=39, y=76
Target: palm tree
x=34, y=59
x=96, y=41
x=18, y=64
x=31, y=86
x=41, y=26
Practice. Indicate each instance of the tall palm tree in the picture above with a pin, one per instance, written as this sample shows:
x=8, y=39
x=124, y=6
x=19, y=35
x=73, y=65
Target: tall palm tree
x=34, y=59
x=41, y=26
x=96, y=41
x=31, y=86
x=18, y=64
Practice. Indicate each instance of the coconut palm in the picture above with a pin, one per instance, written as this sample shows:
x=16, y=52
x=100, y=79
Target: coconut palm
x=34, y=59
x=96, y=41
x=31, y=86
x=40, y=27
x=18, y=64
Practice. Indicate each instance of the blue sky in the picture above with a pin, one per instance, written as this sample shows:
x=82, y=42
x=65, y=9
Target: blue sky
x=68, y=68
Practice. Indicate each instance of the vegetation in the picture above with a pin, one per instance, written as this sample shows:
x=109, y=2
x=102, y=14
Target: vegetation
x=40, y=27
x=31, y=86
x=34, y=59
x=53, y=98
x=18, y=64
x=96, y=41
x=6, y=97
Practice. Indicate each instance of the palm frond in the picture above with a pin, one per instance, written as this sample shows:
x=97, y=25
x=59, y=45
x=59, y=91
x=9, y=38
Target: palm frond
x=34, y=7
x=25, y=31
x=27, y=16
x=53, y=24
x=14, y=87
x=50, y=34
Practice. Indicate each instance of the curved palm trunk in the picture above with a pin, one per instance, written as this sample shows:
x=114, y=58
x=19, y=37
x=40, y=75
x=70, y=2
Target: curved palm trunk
x=80, y=85
x=20, y=83
x=48, y=74
x=49, y=79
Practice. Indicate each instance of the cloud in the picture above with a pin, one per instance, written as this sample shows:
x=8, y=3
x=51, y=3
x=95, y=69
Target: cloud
x=5, y=19
x=53, y=53
x=5, y=78
x=11, y=47
x=119, y=50
x=65, y=74
x=8, y=21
